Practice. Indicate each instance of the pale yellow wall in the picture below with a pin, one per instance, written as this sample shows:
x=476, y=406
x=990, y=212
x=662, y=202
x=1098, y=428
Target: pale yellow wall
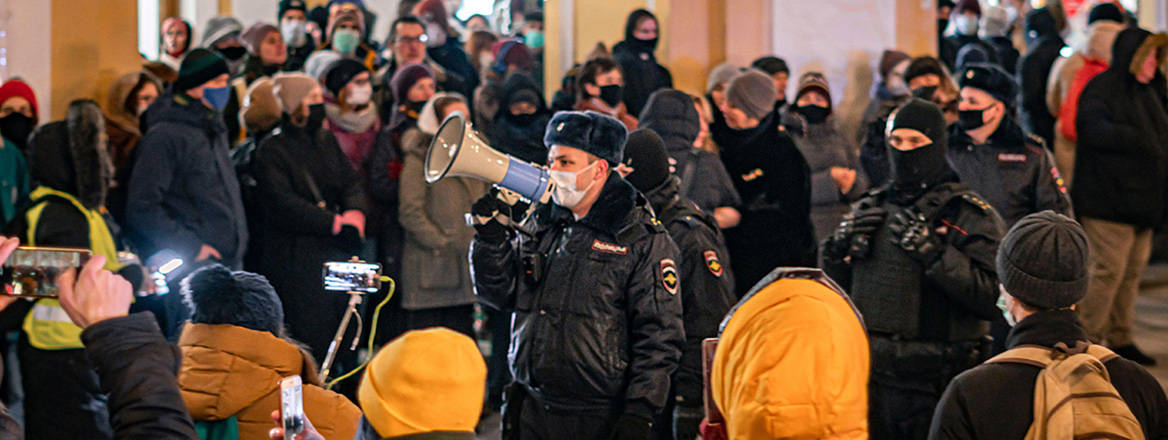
x=92, y=44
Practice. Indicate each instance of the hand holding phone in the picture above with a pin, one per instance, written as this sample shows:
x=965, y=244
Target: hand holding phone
x=94, y=294
x=291, y=406
x=32, y=271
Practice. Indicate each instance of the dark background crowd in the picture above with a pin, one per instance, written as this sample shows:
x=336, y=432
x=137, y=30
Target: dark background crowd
x=220, y=178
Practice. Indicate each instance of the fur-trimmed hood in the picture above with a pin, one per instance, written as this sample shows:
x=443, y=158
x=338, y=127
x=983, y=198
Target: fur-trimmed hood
x=1133, y=45
x=1100, y=39
x=71, y=155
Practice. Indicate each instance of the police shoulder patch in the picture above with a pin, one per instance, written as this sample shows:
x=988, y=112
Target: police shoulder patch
x=669, y=277
x=712, y=262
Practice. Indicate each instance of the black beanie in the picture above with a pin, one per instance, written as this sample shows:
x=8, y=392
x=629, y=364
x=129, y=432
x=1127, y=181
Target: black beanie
x=340, y=72
x=771, y=65
x=645, y=154
x=198, y=67
x=921, y=66
x=1043, y=261
x=216, y=295
x=290, y=5
x=1105, y=11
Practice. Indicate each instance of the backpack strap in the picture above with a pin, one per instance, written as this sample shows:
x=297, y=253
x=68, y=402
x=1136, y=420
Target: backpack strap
x=1033, y=355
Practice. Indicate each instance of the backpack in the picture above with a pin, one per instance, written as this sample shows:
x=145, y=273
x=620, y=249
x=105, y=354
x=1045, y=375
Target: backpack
x=1073, y=395
x=1070, y=108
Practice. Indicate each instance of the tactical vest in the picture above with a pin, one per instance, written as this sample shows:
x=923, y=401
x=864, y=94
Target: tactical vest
x=890, y=288
x=47, y=325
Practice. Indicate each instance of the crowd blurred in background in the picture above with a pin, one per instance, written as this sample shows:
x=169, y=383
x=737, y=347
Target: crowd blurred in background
x=220, y=177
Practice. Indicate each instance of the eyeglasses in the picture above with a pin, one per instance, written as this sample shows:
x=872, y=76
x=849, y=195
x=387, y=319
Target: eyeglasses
x=408, y=40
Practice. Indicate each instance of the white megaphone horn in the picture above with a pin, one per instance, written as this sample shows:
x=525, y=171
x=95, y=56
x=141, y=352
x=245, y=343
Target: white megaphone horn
x=459, y=151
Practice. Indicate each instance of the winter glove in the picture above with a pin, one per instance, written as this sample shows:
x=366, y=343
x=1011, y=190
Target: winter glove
x=356, y=219
x=487, y=216
x=851, y=238
x=349, y=239
x=913, y=233
x=632, y=427
x=713, y=431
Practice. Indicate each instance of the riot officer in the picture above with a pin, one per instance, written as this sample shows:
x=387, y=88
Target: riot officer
x=991, y=153
x=707, y=286
x=594, y=282
x=918, y=256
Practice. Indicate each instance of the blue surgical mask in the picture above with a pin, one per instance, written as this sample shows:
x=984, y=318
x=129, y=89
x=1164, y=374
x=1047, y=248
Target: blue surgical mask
x=1006, y=311
x=217, y=96
x=345, y=41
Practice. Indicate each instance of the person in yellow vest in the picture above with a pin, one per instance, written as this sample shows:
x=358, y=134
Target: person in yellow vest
x=71, y=164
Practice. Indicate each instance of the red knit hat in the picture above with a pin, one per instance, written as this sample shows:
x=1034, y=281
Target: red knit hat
x=16, y=87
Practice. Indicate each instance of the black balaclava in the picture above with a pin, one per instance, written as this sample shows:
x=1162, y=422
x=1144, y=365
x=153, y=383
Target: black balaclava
x=915, y=170
x=641, y=45
x=645, y=154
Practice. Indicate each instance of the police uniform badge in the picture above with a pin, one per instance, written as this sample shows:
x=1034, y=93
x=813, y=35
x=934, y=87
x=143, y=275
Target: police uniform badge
x=669, y=276
x=712, y=263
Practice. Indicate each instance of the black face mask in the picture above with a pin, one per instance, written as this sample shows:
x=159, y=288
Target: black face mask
x=924, y=165
x=16, y=128
x=233, y=53
x=644, y=45
x=814, y=113
x=612, y=94
x=971, y=119
x=316, y=115
x=521, y=120
x=926, y=93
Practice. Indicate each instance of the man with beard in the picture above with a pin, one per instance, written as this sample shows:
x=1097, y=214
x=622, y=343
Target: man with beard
x=918, y=257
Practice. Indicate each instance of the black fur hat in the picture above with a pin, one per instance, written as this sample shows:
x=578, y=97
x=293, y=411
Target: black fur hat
x=589, y=131
x=216, y=295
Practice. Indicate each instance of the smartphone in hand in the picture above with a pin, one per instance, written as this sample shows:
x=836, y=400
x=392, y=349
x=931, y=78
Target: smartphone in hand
x=32, y=271
x=291, y=406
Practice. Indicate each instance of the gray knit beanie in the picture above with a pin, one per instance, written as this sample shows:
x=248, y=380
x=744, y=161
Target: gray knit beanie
x=721, y=74
x=752, y=92
x=1043, y=261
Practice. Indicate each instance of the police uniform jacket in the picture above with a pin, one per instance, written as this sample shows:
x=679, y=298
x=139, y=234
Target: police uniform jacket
x=707, y=289
x=597, y=324
x=1013, y=171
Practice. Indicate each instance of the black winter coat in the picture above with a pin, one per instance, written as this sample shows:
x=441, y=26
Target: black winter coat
x=183, y=191
x=1012, y=170
x=996, y=401
x=304, y=181
x=1121, y=169
x=775, y=184
x=642, y=74
x=704, y=180
x=138, y=369
x=513, y=134
x=1006, y=54
x=707, y=284
x=1034, y=75
x=598, y=326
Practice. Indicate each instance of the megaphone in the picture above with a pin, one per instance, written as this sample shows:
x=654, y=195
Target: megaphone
x=459, y=151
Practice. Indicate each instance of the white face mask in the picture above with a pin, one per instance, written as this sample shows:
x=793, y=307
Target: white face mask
x=566, y=194
x=294, y=32
x=965, y=25
x=359, y=95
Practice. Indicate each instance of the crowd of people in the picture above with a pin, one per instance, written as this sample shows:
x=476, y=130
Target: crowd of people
x=929, y=272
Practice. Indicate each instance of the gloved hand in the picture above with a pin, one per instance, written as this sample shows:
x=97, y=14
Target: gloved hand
x=913, y=233
x=488, y=211
x=852, y=235
x=355, y=219
x=632, y=427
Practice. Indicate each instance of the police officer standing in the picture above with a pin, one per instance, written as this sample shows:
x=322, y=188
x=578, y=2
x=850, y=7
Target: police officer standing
x=707, y=289
x=991, y=153
x=594, y=282
x=918, y=255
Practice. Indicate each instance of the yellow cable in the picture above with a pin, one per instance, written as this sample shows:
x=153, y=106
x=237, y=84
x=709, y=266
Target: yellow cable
x=372, y=332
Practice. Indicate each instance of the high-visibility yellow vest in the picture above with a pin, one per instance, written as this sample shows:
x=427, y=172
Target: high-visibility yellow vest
x=47, y=325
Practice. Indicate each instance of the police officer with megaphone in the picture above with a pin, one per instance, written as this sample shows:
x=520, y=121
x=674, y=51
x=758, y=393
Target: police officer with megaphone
x=593, y=279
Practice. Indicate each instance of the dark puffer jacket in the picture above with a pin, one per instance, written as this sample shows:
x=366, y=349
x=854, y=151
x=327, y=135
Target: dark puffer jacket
x=704, y=180
x=1034, y=74
x=995, y=401
x=1121, y=169
x=642, y=74
x=600, y=329
x=183, y=191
